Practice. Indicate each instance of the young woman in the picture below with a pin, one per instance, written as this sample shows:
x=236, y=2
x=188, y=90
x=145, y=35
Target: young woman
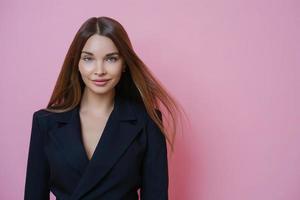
x=102, y=134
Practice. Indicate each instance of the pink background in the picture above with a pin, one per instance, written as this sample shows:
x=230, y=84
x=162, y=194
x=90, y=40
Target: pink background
x=233, y=65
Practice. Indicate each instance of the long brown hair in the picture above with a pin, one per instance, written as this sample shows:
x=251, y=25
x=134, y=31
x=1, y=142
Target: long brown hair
x=137, y=83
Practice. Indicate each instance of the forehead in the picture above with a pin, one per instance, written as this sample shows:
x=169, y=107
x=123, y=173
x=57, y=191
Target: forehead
x=99, y=45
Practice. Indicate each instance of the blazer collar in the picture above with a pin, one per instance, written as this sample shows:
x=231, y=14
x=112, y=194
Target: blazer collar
x=124, y=107
x=123, y=125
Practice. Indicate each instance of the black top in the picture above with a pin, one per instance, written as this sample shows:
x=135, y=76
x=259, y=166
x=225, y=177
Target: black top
x=130, y=154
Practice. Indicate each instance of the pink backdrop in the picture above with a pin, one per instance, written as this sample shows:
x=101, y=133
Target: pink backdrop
x=233, y=65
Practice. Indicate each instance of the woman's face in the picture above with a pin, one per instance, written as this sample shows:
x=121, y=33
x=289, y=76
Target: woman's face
x=100, y=60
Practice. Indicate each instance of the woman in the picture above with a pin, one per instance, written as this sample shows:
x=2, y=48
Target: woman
x=101, y=135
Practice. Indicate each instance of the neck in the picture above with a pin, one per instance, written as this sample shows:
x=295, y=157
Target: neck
x=96, y=104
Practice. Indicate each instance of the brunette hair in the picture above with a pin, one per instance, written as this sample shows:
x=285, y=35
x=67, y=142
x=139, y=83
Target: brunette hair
x=137, y=82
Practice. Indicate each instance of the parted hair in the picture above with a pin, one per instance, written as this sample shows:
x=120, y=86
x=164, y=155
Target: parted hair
x=137, y=83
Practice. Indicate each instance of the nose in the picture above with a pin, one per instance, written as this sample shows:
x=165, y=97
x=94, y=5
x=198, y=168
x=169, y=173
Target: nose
x=100, y=69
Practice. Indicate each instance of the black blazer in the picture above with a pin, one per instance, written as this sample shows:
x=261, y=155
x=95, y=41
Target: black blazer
x=130, y=154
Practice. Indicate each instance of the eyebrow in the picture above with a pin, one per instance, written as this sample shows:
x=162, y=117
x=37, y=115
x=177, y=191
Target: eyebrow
x=109, y=54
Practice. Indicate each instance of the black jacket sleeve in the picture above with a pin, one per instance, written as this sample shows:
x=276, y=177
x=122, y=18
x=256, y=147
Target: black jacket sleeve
x=37, y=172
x=155, y=179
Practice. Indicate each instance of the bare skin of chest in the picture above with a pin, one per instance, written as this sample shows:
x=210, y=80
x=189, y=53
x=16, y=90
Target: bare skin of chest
x=91, y=128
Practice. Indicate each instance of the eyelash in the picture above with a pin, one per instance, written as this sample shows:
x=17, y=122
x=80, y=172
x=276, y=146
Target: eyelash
x=84, y=58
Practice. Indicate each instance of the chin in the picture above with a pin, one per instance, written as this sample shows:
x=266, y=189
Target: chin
x=101, y=90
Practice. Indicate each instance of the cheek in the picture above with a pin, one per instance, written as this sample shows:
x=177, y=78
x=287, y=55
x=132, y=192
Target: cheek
x=84, y=69
x=116, y=71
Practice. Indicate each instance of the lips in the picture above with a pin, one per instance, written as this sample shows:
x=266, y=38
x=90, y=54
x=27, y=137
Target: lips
x=101, y=80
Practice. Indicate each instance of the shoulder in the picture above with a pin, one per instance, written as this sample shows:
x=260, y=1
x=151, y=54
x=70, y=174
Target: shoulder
x=42, y=113
x=47, y=119
x=141, y=112
x=150, y=124
x=39, y=115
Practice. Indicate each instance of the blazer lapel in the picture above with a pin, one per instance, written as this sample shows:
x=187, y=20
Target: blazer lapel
x=120, y=130
x=67, y=137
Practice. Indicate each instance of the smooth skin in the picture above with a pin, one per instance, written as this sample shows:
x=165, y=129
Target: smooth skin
x=97, y=62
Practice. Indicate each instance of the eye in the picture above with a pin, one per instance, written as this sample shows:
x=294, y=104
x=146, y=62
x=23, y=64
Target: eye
x=113, y=59
x=86, y=58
